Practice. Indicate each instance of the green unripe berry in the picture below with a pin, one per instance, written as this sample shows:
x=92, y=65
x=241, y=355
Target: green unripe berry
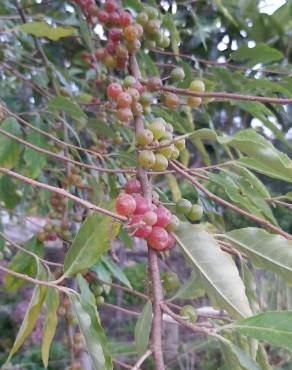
x=165, y=42
x=194, y=102
x=98, y=290
x=170, y=281
x=48, y=227
x=99, y=300
x=175, y=153
x=146, y=98
x=144, y=137
x=166, y=150
x=129, y=81
x=183, y=206
x=146, y=158
x=142, y=18
x=161, y=163
x=180, y=144
x=189, y=313
x=174, y=224
x=196, y=213
x=151, y=12
x=197, y=86
x=177, y=74
x=158, y=128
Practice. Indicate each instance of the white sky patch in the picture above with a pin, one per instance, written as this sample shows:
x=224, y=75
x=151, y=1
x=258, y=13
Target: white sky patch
x=270, y=6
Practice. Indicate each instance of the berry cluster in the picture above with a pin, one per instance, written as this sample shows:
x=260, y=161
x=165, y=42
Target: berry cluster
x=89, y=9
x=123, y=35
x=52, y=232
x=194, y=212
x=158, y=134
x=151, y=222
x=126, y=98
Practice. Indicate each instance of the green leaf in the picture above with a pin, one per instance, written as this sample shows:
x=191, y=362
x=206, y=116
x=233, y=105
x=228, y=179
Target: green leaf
x=89, y=323
x=237, y=358
x=262, y=155
x=116, y=271
x=62, y=104
x=261, y=53
x=43, y=29
x=23, y=263
x=262, y=358
x=35, y=162
x=191, y=289
x=271, y=326
x=50, y=323
x=168, y=22
x=8, y=192
x=133, y=4
x=32, y=313
x=85, y=32
x=217, y=270
x=100, y=127
x=91, y=241
x=147, y=65
x=9, y=148
x=268, y=251
x=143, y=329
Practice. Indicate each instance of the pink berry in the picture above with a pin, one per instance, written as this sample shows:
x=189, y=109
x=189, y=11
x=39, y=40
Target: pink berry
x=163, y=216
x=125, y=18
x=102, y=16
x=138, y=86
x=115, y=34
x=125, y=204
x=52, y=236
x=111, y=47
x=142, y=205
x=158, y=239
x=133, y=186
x=113, y=90
x=110, y=6
x=140, y=231
x=171, y=241
x=150, y=218
x=114, y=18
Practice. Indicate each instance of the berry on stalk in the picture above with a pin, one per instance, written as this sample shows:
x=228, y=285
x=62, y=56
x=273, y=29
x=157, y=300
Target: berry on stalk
x=146, y=158
x=114, y=90
x=125, y=204
x=158, y=238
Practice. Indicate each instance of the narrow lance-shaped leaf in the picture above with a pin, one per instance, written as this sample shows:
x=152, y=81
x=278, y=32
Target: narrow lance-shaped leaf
x=32, y=313
x=268, y=251
x=271, y=326
x=191, y=289
x=88, y=318
x=50, y=323
x=43, y=29
x=92, y=240
x=143, y=329
x=116, y=271
x=218, y=271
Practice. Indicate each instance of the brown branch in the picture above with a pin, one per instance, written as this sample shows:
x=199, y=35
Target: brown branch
x=11, y=242
x=225, y=95
x=214, y=62
x=157, y=296
x=121, y=309
x=63, y=193
x=181, y=170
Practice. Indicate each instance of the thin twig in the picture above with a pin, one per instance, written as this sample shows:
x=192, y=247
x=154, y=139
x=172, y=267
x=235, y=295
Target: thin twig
x=63, y=193
x=141, y=360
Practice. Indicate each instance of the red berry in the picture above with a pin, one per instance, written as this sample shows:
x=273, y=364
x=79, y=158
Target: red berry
x=124, y=100
x=133, y=186
x=142, y=205
x=124, y=115
x=125, y=204
x=111, y=47
x=142, y=231
x=52, y=236
x=125, y=18
x=113, y=90
x=138, y=86
x=121, y=51
x=110, y=6
x=131, y=33
x=102, y=16
x=100, y=54
x=163, y=216
x=150, y=218
x=114, y=18
x=154, y=84
x=115, y=34
x=158, y=239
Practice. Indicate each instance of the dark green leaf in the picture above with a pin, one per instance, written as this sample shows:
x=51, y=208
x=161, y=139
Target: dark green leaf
x=8, y=192
x=34, y=161
x=9, y=148
x=261, y=53
x=62, y=104
x=168, y=22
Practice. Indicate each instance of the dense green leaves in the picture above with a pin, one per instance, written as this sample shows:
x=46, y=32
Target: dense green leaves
x=217, y=270
x=268, y=251
x=142, y=329
x=89, y=323
x=261, y=53
x=271, y=326
x=42, y=29
x=91, y=241
x=32, y=313
x=62, y=104
x=9, y=148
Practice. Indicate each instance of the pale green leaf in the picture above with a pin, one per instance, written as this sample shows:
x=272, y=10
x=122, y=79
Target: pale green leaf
x=43, y=29
x=191, y=289
x=268, y=251
x=9, y=148
x=117, y=272
x=217, y=270
x=143, y=328
x=50, y=323
x=92, y=240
